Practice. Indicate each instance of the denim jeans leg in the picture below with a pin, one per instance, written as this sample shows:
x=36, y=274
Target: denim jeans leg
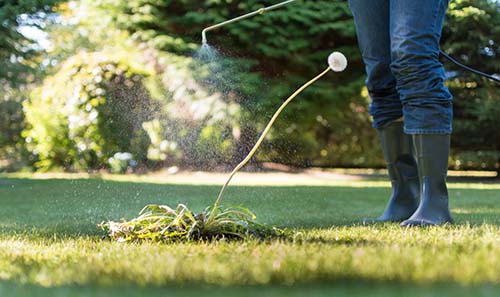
x=415, y=31
x=371, y=18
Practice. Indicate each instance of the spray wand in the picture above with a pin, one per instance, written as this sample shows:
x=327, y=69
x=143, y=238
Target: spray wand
x=245, y=16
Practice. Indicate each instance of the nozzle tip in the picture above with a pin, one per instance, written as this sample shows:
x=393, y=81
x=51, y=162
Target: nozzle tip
x=204, y=37
x=337, y=61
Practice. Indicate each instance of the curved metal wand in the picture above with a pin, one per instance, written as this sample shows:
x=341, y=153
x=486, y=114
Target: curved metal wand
x=245, y=16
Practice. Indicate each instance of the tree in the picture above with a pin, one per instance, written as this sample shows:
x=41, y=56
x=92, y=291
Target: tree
x=17, y=50
x=17, y=66
x=472, y=35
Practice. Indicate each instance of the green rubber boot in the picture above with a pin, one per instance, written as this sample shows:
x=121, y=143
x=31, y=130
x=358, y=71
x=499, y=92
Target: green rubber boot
x=432, y=158
x=402, y=167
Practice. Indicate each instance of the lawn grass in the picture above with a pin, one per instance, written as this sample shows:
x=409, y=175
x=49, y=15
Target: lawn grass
x=50, y=243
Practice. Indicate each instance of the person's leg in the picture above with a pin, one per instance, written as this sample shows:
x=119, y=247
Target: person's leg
x=415, y=28
x=371, y=18
x=372, y=25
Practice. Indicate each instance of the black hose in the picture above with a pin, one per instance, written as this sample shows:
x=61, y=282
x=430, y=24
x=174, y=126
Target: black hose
x=475, y=71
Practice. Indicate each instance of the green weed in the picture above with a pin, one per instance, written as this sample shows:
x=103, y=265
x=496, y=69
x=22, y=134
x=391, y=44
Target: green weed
x=160, y=223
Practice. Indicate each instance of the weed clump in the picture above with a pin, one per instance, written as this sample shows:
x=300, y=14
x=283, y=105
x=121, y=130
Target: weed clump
x=160, y=223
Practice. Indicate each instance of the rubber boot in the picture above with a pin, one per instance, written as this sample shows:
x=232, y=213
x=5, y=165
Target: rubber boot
x=402, y=168
x=432, y=158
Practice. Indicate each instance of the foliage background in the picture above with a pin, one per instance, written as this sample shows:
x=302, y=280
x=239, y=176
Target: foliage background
x=122, y=85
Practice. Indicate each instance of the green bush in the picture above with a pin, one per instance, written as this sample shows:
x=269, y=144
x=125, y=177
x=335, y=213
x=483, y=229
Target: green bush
x=92, y=108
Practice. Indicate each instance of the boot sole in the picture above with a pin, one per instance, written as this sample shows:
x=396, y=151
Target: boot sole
x=369, y=221
x=424, y=223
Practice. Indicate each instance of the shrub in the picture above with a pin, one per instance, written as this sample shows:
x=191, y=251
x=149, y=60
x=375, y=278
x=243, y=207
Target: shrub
x=92, y=108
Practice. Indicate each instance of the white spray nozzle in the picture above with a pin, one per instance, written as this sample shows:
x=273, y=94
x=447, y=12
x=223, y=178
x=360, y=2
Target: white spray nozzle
x=337, y=61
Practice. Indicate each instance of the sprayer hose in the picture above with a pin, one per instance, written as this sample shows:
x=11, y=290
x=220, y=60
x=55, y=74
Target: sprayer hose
x=263, y=135
x=468, y=68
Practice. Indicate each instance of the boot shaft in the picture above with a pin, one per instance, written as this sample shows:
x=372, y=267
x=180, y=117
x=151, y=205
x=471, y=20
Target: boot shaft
x=398, y=151
x=399, y=154
x=432, y=154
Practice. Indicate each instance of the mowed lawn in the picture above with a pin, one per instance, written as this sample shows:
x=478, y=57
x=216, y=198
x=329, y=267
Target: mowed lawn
x=50, y=244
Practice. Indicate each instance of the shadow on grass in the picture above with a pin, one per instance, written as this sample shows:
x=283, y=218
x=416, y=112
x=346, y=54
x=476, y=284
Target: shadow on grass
x=74, y=207
x=347, y=288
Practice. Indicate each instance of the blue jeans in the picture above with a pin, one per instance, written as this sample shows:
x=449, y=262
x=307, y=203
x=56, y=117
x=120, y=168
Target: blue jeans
x=399, y=42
